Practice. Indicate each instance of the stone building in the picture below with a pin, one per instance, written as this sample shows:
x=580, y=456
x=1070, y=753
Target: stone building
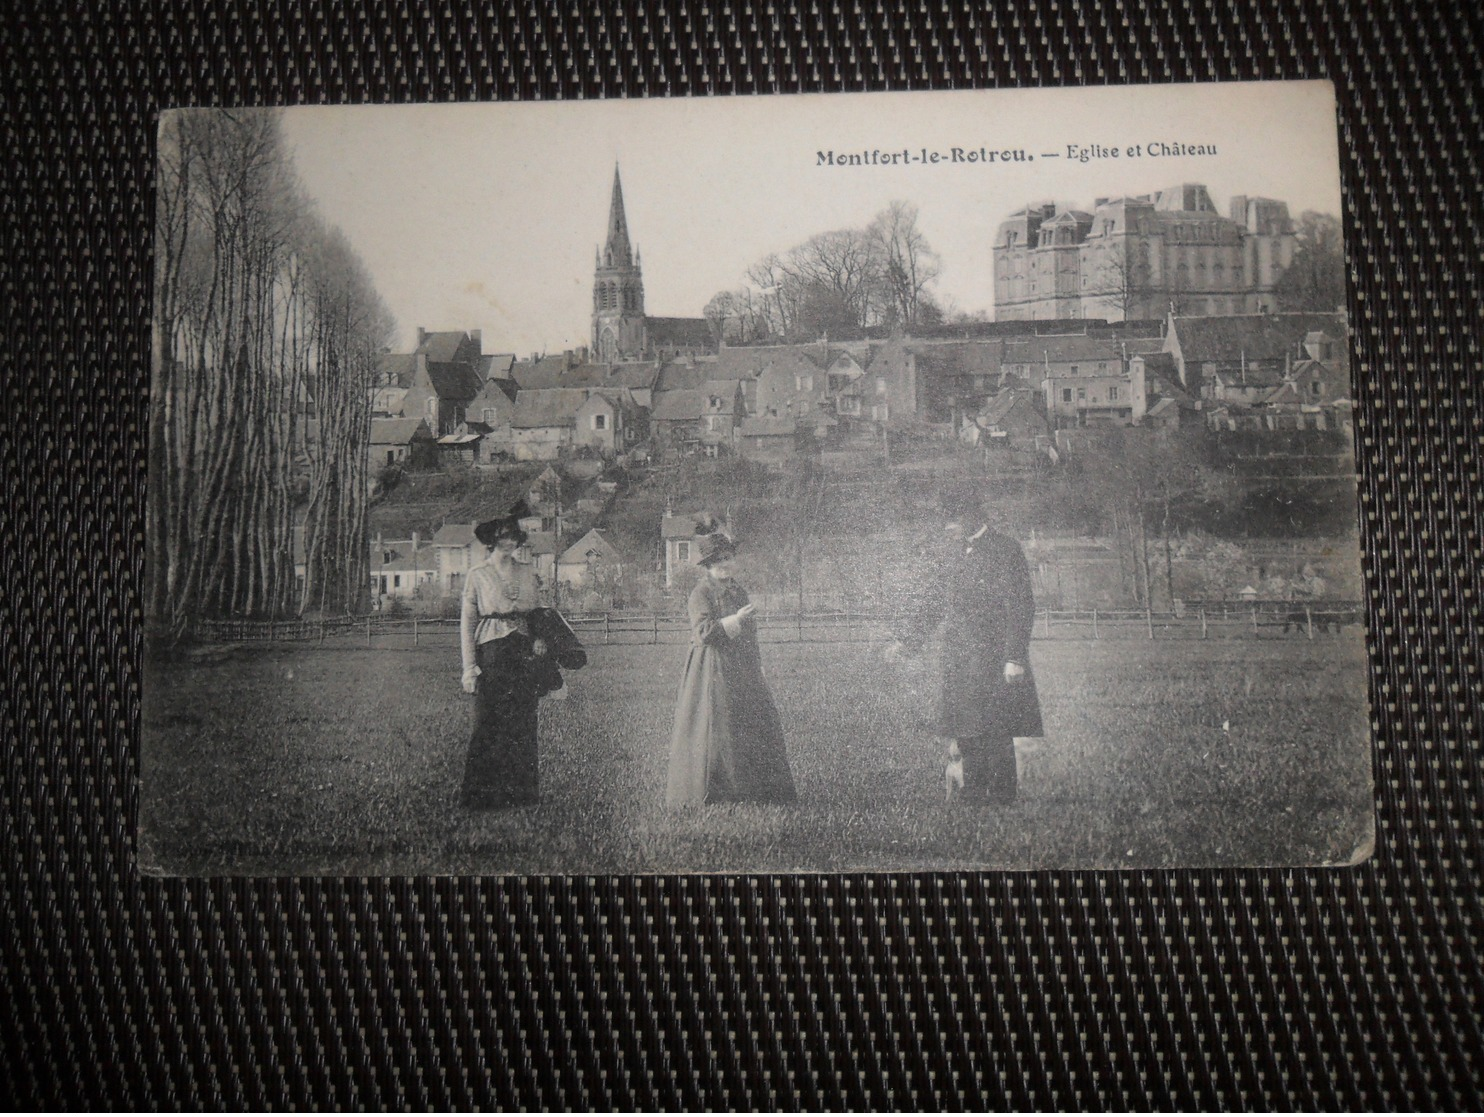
x=621, y=330
x=1142, y=257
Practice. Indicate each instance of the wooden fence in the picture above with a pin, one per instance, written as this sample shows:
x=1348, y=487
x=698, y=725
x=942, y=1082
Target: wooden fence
x=1210, y=620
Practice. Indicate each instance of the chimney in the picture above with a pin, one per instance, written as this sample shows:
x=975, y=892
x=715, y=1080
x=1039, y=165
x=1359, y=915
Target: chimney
x=477, y=337
x=414, y=548
x=422, y=336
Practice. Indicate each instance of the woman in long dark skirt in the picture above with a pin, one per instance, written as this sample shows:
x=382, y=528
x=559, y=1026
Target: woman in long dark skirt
x=727, y=745
x=504, y=669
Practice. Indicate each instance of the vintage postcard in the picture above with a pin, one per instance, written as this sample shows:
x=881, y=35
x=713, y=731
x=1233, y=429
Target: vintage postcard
x=879, y=482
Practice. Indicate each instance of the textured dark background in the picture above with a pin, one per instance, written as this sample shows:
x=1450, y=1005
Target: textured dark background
x=1264, y=988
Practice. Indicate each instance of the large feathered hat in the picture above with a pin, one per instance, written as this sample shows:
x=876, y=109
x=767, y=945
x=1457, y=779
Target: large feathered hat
x=507, y=526
x=712, y=542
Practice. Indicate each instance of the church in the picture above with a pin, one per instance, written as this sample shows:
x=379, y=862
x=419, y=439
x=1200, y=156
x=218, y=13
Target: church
x=621, y=330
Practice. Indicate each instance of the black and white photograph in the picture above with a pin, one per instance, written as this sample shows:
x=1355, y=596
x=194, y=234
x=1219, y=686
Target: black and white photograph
x=799, y=483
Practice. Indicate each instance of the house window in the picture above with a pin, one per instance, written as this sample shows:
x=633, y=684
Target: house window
x=1081, y=393
x=713, y=422
x=383, y=583
x=881, y=385
x=682, y=551
x=396, y=581
x=1314, y=388
x=804, y=382
x=715, y=403
x=391, y=456
x=1074, y=370
x=490, y=416
x=1112, y=392
x=1066, y=395
x=600, y=422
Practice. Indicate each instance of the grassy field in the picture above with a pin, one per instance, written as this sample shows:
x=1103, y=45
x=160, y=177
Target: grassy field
x=295, y=759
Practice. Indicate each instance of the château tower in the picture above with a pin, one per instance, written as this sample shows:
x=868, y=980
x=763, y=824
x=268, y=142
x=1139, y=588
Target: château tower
x=618, y=290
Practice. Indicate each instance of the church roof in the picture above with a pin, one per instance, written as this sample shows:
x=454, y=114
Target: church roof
x=694, y=333
x=617, y=251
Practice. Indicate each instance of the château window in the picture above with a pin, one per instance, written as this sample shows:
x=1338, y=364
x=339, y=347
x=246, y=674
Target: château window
x=682, y=550
x=600, y=422
x=1066, y=395
x=804, y=383
x=1112, y=392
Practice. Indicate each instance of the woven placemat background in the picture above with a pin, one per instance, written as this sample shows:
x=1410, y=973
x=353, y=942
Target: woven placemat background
x=1264, y=988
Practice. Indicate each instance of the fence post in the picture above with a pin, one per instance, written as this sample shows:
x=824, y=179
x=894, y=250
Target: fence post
x=368, y=630
x=270, y=630
x=1254, y=618
x=605, y=628
x=1203, y=622
x=799, y=626
x=1149, y=619
x=1094, y=624
x=1048, y=622
x=1309, y=620
x=655, y=619
x=414, y=632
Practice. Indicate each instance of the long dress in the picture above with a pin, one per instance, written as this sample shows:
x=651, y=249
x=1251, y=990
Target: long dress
x=501, y=769
x=727, y=745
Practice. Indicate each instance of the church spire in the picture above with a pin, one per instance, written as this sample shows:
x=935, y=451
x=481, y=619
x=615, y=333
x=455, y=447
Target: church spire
x=618, y=253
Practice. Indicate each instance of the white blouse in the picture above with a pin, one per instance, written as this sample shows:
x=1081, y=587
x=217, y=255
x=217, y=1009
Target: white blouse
x=489, y=592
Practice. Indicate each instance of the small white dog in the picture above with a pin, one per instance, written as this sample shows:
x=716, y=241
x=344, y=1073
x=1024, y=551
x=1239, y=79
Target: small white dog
x=953, y=773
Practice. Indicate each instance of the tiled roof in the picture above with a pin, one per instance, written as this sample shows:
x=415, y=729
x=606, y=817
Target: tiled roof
x=403, y=557
x=681, y=405
x=397, y=432
x=1061, y=348
x=442, y=346
x=396, y=368
x=453, y=380
x=1259, y=336
x=547, y=407
x=454, y=535
x=592, y=541
x=495, y=365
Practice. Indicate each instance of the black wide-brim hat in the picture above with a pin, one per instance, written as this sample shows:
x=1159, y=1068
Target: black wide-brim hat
x=714, y=547
x=507, y=526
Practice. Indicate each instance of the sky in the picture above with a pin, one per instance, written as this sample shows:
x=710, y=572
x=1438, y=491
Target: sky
x=483, y=216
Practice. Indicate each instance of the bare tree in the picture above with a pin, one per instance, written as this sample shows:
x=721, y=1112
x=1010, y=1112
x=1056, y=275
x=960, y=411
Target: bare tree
x=1315, y=279
x=264, y=337
x=907, y=265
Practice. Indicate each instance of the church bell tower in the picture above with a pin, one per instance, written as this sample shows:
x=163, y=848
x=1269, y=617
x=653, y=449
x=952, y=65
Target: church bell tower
x=618, y=290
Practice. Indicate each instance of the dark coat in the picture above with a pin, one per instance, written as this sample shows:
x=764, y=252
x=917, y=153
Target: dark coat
x=984, y=598
x=564, y=650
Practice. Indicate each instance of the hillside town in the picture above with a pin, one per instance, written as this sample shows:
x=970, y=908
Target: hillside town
x=1064, y=360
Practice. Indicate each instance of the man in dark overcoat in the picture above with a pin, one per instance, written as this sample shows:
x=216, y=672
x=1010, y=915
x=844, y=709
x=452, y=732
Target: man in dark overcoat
x=982, y=596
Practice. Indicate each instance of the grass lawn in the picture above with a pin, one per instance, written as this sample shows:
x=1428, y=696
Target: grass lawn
x=290, y=759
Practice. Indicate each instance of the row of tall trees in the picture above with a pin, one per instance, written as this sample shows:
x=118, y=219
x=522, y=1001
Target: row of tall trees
x=839, y=283
x=266, y=334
